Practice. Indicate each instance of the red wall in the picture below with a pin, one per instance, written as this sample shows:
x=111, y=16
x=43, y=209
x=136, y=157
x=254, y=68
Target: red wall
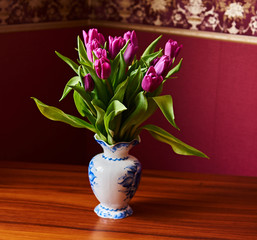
x=215, y=103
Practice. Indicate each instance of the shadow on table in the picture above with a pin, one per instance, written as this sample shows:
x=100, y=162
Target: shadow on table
x=173, y=209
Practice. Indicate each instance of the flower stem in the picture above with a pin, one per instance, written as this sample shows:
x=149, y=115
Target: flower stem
x=109, y=87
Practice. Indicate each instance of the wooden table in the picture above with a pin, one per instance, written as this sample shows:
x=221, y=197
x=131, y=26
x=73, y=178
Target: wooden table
x=47, y=201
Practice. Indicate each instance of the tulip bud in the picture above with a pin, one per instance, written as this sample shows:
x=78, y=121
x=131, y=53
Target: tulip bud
x=101, y=39
x=172, y=49
x=93, y=34
x=127, y=35
x=155, y=61
x=88, y=83
x=85, y=36
x=100, y=52
x=132, y=37
x=90, y=47
x=115, y=45
x=178, y=50
x=102, y=67
x=151, y=80
x=132, y=46
x=163, y=65
x=130, y=53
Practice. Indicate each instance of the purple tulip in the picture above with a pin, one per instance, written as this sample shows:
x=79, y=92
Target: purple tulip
x=151, y=80
x=100, y=52
x=132, y=46
x=115, y=45
x=172, y=49
x=132, y=37
x=90, y=47
x=93, y=34
x=162, y=66
x=155, y=61
x=101, y=39
x=89, y=83
x=102, y=67
x=130, y=53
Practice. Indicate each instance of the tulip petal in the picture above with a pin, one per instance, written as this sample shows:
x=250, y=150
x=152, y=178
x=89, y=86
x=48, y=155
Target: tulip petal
x=105, y=70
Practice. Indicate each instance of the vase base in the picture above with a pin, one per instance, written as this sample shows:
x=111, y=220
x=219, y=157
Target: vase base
x=112, y=213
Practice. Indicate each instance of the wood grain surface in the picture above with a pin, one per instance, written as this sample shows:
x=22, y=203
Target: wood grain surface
x=45, y=201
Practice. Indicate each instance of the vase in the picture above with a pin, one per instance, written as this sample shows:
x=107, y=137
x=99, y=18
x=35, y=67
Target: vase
x=114, y=177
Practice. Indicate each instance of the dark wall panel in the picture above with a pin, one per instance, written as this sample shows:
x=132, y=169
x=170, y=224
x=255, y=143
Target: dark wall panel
x=214, y=96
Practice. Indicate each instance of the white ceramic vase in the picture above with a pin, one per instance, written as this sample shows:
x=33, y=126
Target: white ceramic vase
x=114, y=176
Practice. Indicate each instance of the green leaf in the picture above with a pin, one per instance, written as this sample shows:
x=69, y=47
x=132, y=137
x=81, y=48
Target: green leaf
x=122, y=71
x=56, y=114
x=151, y=108
x=114, y=75
x=175, y=69
x=86, y=97
x=83, y=63
x=134, y=86
x=165, y=104
x=147, y=59
x=177, y=145
x=151, y=47
x=133, y=67
x=82, y=52
x=81, y=75
x=72, y=64
x=79, y=103
x=114, y=67
x=120, y=91
x=119, y=95
x=82, y=107
x=113, y=110
x=134, y=117
x=99, y=124
x=72, y=82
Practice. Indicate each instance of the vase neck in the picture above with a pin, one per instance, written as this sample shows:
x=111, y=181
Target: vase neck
x=118, y=151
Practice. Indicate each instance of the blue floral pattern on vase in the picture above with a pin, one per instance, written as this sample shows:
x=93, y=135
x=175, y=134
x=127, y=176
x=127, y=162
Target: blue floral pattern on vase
x=118, y=213
x=91, y=174
x=131, y=180
x=114, y=148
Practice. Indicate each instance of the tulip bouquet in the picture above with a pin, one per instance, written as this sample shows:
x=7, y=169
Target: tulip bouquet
x=115, y=93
